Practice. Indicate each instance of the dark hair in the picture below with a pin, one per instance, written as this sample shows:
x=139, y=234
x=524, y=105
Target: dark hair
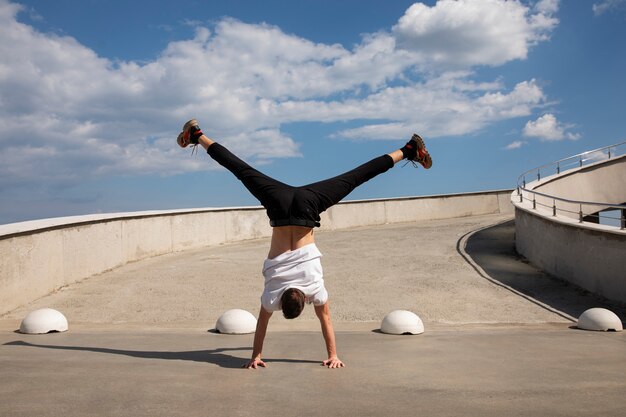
x=292, y=303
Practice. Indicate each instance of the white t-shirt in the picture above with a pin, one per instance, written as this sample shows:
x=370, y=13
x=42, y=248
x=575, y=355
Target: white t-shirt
x=301, y=269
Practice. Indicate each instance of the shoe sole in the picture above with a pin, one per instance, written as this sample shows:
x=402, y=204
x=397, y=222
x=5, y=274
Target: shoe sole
x=427, y=162
x=180, y=140
x=181, y=135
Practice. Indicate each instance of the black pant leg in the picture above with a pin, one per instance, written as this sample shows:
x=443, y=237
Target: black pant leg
x=273, y=195
x=329, y=192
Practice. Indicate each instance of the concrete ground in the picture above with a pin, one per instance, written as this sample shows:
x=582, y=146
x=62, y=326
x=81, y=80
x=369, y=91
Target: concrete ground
x=499, y=336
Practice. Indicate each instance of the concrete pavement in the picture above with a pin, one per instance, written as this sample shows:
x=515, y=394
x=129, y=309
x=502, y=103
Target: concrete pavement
x=494, y=345
x=534, y=370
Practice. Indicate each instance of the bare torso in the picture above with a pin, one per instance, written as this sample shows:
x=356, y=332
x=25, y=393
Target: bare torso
x=287, y=238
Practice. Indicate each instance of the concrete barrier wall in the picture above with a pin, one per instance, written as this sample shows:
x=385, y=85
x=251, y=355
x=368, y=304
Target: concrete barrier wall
x=591, y=258
x=589, y=255
x=373, y=212
x=41, y=256
x=602, y=182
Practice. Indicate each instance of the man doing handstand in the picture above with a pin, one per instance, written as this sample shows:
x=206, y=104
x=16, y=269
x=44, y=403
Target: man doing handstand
x=292, y=270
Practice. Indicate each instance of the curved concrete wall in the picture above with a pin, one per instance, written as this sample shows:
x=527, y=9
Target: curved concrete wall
x=589, y=255
x=591, y=258
x=603, y=182
x=41, y=256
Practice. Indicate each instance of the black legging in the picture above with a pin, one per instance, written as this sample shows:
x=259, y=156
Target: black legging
x=297, y=206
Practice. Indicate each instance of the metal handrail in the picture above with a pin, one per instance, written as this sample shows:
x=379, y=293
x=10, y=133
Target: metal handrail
x=521, y=185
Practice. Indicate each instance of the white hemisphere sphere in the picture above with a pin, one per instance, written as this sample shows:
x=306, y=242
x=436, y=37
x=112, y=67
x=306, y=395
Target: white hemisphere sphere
x=236, y=321
x=402, y=322
x=600, y=319
x=45, y=320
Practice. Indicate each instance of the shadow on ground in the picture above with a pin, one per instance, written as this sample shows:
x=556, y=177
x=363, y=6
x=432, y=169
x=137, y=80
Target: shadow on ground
x=215, y=356
x=493, y=249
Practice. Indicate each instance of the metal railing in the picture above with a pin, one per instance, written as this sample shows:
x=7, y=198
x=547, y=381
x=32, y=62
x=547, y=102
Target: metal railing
x=574, y=208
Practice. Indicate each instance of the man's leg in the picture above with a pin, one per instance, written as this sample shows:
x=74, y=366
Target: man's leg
x=329, y=192
x=271, y=193
x=260, y=185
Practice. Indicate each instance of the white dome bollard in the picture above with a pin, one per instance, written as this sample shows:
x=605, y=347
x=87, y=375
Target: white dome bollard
x=236, y=321
x=402, y=322
x=600, y=319
x=45, y=320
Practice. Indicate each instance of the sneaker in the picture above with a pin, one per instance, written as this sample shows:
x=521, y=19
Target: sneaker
x=422, y=156
x=190, y=134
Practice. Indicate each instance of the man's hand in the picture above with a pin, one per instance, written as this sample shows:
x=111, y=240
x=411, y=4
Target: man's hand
x=333, y=363
x=323, y=313
x=254, y=364
x=259, y=336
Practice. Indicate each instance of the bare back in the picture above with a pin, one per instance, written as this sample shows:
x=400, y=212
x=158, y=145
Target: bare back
x=288, y=238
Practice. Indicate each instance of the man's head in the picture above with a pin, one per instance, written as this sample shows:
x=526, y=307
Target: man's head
x=292, y=303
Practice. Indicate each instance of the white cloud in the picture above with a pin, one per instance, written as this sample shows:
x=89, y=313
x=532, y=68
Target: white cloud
x=87, y=115
x=436, y=109
x=609, y=6
x=596, y=156
x=469, y=32
x=547, y=127
x=547, y=6
x=515, y=145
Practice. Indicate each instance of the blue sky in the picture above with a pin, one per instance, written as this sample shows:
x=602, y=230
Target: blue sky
x=93, y=94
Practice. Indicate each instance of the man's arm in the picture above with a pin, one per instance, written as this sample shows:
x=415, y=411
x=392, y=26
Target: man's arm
x=259, y=337
x=323, y=313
